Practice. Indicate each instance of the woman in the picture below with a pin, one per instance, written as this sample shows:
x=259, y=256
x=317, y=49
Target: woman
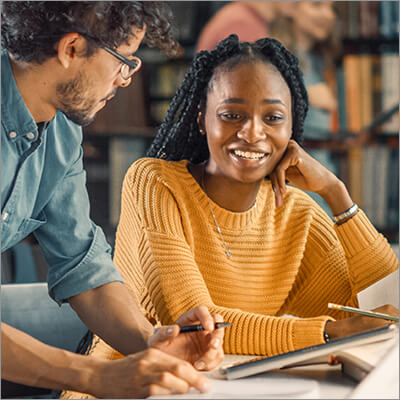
x=201, y=225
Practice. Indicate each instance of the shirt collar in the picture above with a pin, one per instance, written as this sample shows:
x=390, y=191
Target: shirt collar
x=15, y=116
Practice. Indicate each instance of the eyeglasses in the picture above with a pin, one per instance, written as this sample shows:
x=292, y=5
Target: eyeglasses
x=130, y=65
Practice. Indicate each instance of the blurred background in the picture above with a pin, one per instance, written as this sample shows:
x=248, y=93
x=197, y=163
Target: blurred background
x=349, y=54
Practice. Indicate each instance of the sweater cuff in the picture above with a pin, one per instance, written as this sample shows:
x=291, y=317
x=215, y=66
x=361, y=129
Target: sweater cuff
x=309, y=331
x=356, y=234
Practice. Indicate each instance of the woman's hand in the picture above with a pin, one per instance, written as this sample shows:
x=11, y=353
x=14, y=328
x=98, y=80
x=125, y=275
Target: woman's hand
x=202, y=349
x=303, y=171
x=351, y=326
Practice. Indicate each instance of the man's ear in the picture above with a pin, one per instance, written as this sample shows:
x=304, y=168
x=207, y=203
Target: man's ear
x=70, y=47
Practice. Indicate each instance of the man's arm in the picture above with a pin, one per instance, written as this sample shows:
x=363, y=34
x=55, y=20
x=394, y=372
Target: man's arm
x=28, y=361
x=111, y=312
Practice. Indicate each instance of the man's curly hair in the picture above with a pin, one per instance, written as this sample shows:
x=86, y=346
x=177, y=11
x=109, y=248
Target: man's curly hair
x=30, y=30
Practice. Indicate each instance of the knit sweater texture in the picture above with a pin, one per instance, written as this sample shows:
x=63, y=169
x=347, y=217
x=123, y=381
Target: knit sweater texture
x=287, y=263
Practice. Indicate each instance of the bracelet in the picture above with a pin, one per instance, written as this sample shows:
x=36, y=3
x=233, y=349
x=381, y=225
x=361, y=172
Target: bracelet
x=326, y=336
x=344, y=216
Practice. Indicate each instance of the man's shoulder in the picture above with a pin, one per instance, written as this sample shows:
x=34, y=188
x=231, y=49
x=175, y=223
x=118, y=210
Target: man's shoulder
x=64, y=128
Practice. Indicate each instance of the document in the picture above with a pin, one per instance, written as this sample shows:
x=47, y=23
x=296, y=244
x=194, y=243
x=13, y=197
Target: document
x=383, y=381
x=385, y=291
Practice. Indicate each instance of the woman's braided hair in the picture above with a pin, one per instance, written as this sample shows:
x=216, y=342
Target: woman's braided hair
x=179, y=138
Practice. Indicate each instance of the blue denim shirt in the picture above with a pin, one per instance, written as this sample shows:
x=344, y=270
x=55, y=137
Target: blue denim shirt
x=43, y=190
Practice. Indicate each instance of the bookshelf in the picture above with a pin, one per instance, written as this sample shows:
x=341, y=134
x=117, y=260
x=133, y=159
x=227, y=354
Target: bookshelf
x=368, y=118
x=367, y=85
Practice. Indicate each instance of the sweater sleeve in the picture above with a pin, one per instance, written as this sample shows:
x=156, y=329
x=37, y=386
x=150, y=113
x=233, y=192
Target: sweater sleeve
x=368, y=253
x=338, y=262
x=153, y=252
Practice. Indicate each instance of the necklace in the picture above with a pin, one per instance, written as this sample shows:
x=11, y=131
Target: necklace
x=224, y=244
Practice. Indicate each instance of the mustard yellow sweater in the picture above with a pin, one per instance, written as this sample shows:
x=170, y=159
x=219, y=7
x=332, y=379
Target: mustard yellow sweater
x=290, y=260
x=285, y=261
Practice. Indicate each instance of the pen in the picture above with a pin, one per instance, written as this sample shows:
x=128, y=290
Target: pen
x=196, y=328
x=363, y=312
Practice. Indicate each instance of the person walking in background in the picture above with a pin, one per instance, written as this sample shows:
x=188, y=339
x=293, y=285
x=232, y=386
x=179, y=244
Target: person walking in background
x=60, y=64
x=309, y=30
x=208, y=218
x=250, y=20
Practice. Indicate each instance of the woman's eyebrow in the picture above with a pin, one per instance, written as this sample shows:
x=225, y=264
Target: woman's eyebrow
x=241, y=101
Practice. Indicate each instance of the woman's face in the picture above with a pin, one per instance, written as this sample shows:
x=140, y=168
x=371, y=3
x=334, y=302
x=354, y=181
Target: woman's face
x=247, y=121
x=315, y=18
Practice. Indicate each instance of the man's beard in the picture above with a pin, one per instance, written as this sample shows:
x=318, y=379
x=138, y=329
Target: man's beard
x=72, y=100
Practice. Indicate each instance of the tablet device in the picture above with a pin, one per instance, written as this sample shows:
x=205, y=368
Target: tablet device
x=263, y=364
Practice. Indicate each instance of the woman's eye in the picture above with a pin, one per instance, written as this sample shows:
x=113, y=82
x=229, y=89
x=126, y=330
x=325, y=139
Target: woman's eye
x=230, y=116
x=274, y=118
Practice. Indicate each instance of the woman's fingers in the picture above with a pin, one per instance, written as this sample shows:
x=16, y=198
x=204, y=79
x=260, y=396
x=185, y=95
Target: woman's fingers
x=163, y=334
x=215, y=353
x=199, y=314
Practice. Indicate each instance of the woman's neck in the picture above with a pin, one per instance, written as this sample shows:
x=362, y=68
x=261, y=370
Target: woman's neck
x=228, y=194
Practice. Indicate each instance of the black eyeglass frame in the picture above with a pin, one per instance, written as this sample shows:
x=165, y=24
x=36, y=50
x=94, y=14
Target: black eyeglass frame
x=134, y=64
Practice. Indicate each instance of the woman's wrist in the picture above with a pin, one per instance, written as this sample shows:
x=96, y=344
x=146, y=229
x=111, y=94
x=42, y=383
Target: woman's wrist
x=337, y=197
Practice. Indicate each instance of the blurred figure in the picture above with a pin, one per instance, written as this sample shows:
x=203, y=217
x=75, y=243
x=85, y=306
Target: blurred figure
x=250, y=20
x=308, y=29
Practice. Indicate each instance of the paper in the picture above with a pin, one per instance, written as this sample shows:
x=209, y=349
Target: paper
x=265, y=386
x=383, y=381
x=385, y=291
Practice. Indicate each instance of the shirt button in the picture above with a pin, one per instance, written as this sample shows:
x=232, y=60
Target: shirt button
x=12, y=135
x=30, y=135
x=5, y=216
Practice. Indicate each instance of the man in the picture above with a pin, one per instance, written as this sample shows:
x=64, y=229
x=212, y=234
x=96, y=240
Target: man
x=62, y=62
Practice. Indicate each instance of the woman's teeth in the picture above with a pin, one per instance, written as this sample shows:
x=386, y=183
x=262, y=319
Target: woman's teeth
x=250, y=155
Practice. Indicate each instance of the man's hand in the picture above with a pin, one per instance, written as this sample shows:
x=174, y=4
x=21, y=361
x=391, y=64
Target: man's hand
x=202, y=349
x=148, y=373
x=151, y=372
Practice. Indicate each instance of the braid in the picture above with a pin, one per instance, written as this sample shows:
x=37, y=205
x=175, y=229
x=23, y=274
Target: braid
x=288, y=65
x=179, y=138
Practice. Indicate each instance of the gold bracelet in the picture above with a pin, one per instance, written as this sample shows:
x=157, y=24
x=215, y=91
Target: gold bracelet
x=346, y=215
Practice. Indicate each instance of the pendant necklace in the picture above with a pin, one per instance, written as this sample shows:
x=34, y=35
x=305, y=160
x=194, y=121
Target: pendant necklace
x=224, y=244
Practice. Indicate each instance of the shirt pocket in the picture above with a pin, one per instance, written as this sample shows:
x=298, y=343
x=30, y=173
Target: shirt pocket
x=29, y=225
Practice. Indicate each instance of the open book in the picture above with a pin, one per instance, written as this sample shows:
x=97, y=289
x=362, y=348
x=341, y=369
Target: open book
x=358, y=354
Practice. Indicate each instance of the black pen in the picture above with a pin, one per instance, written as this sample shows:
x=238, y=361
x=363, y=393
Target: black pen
x=196, y=328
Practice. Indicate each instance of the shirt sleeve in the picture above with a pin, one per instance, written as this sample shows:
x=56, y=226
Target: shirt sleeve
x=75, y=248
x=159, y=268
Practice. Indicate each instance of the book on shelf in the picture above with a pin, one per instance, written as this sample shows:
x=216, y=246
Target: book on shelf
x=390, y=89
x=369, y=19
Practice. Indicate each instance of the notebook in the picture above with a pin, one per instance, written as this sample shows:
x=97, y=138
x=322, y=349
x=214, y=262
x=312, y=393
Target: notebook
x=327, y=352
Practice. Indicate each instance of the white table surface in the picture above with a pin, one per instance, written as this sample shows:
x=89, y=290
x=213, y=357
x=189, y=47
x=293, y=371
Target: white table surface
x=328, y=380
